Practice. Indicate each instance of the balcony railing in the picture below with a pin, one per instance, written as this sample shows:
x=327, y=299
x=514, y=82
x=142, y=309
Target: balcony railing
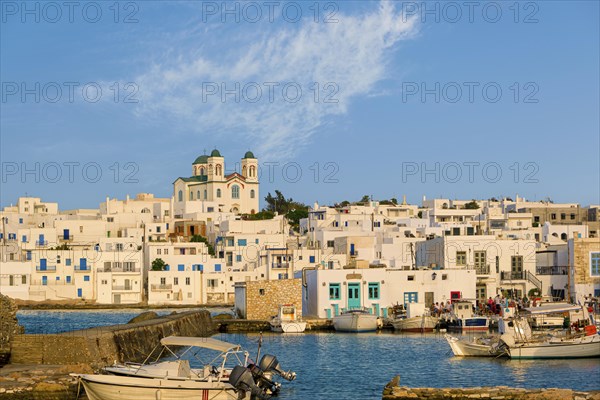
x=123, y=288
x=41, y=243
x=120, y=270
x=69, y=238
x=79, y=268
x=512, y=275
x=161, y=287
x=47, y=268
x=51, y=282
x=280, y=265
x=553, y=270
x=482, y=269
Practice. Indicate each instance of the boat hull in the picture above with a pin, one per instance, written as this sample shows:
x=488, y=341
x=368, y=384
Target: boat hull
x=475, y=324
x=461, y=348
x=585, y=347
x=109, y=387
x=289, y=327
x=355, y=323
x=416, y=324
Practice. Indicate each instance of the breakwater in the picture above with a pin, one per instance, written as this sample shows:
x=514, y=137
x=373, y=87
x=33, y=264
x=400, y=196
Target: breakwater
x=245, y=325
x=105, y=345
x=393, y=391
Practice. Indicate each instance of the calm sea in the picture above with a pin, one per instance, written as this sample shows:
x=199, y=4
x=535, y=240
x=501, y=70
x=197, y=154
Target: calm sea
x=357, y=366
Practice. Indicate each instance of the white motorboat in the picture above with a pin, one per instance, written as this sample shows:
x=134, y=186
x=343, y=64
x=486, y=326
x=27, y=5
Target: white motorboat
x=417, y=319
x=357, y=320
x=287, y=320
x=463, y=319
x=176, y=380
x=477, y=347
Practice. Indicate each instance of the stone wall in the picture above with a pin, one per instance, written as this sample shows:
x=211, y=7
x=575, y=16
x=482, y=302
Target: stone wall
x=581, y=260
x=105, y=345
x=263, y=298
x=9, y=326
x=393, y=391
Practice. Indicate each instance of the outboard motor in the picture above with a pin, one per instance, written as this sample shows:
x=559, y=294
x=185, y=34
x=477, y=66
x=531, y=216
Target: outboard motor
x=269, y=363
x=241, y=379
x=263, y=381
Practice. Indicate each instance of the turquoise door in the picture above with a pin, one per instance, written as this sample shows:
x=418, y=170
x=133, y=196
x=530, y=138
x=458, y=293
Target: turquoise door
x=411, y=297
x=353, y=295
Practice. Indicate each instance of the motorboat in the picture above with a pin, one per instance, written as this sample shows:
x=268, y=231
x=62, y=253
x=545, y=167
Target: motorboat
x=417, y=319
x=287, y=320
x=174, y=379
x=488, y=346
x=462, y=318
x=357, y=320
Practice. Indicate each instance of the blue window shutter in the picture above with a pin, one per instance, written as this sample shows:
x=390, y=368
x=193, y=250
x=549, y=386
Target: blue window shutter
x=79, y=292
x=44, y=280
x=86, y=278
x=181, y=267
x=83, y=263
x=238, y=258
x=66, y=234
x=68, y=279
x=311, y=259
x=217, y=267
x=167, y=267
x=200, y=267
x=256, y=241
x=68, y=262
x=43, y=264
x=20, y=220
x=58, y=278
x=241, y=242
x=28, y=255
x=24, y=238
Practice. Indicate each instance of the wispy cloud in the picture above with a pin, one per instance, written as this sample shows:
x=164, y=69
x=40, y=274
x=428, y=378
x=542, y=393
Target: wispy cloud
x=351, y=55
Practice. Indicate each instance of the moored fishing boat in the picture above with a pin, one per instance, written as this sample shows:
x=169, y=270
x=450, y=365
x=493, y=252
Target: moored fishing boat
x=417, y=319
x=287, y=320
x=356, y=320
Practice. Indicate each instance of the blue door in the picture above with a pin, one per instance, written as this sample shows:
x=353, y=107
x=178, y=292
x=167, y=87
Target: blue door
x=351, y=249
x=66, y=234
x=353, y=295
x=41, y=240
x=83, y=264
x=411, y=297
x=43, y=265
x=79, y=292
x=44, y=280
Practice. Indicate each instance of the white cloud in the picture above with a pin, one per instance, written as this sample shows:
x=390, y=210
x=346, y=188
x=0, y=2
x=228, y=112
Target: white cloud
x=352, y=54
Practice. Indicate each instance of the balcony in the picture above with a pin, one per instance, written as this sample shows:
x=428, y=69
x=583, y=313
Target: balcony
x=120, y=270
x=70, y=238
x=123, y=288
x=45, y=268
x=84, y=269
x=554, y=270
x=41, y=243
x=51, y=282
x=280, y=265
x=482, y=269
x=159, y=288
x=512, y=276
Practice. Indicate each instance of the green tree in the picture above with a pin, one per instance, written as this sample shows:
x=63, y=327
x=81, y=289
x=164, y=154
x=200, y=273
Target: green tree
x=158, y=264
x=202, y=239
x=472, y=205
x=365, y=199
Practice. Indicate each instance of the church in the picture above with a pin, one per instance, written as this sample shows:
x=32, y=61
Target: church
x=209, y=189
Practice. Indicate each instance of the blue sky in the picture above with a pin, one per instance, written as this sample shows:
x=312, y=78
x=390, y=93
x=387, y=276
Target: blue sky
x=494, y=101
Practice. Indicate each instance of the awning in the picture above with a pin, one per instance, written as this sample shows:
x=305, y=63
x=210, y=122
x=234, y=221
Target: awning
x=207, y=343
x=552, y=308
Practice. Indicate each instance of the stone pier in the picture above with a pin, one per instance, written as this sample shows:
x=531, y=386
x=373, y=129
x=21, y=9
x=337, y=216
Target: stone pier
x=393, y=391
x=9, y=327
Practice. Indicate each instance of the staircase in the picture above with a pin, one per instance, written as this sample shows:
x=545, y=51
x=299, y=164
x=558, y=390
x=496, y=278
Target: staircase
x=534, y=280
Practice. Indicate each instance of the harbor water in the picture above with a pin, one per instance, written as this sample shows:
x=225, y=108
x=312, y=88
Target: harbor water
x=357, y=366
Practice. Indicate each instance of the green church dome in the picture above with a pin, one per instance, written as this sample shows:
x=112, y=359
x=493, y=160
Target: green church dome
x=249, y=154
x=215, y=153
x=201, y=160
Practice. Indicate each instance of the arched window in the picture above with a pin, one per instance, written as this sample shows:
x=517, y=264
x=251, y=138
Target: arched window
x=198, y=195
x=563, y=236
x=205, y=195
x=218, y=192
x=180, y=196
x=145, y=211
x=210, y=169
x=235, y=192
x=218, y=169
x=252, y=194
x=201, y=171
x=244, y=170
x=252, y=171
x=191, y=195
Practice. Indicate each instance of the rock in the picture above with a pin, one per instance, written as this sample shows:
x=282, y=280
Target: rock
x=48, y=387
x=145, y=316
x=222, y=316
